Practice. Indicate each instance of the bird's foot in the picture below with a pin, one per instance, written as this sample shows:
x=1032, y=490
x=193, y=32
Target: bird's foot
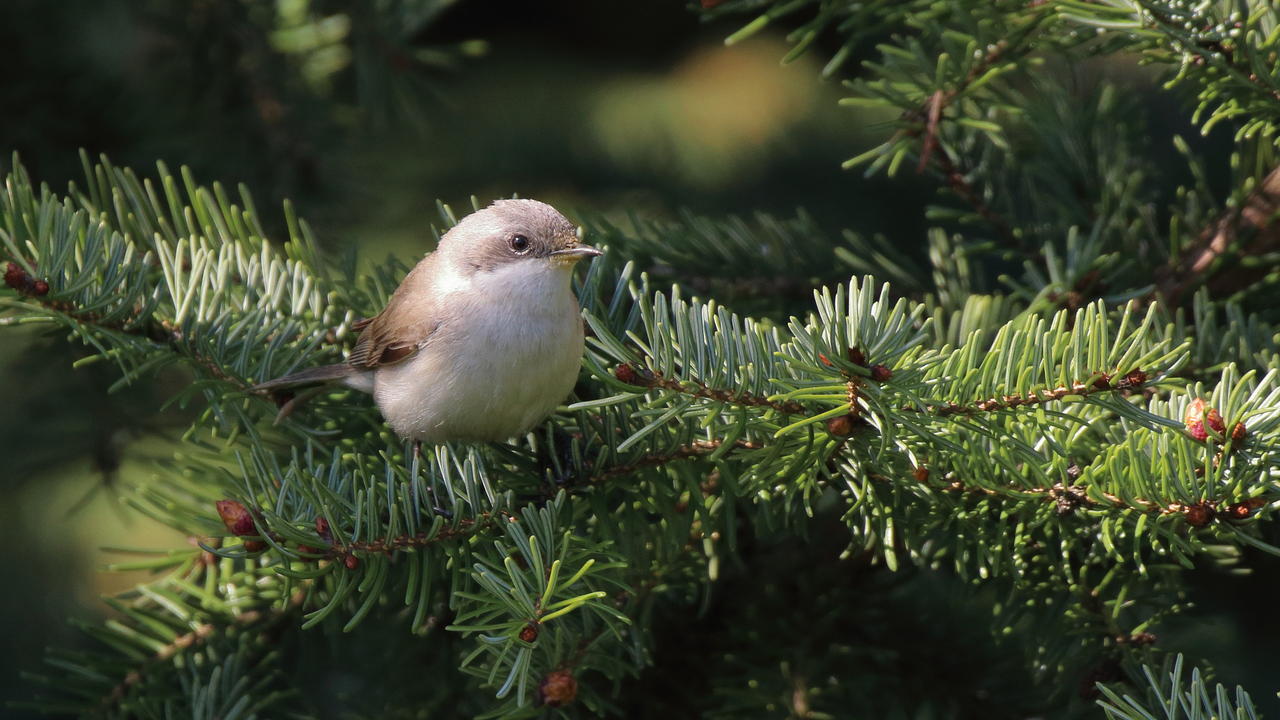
x=431, y=487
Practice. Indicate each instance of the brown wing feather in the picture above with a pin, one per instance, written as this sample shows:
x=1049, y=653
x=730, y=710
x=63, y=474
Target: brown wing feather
x=380, y=345
x=396, y=333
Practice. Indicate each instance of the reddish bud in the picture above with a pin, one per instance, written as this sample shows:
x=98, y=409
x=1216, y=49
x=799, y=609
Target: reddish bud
x=236, y=517
x=558, y=688
x=39, y=288
x=825, y=360
x=1197, y=515
x=1103, y=382
x=254, y=546
x=1140, y=639
x=708, y=4
x=880, y=373
x=1238, y=511
x=840, y=426
x=308, y=550
x=351, y=561
x=1238, y=432
x=322, y=528
x=1197, y=416
x=921, y=473
x=15, y=277
x=857, y=357
x=626, y=374
x=1132, y=380
x=1243, y=509
x=529, y=633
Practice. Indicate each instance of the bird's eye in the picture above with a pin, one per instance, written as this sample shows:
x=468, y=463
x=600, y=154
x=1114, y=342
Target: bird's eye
x=519, y=243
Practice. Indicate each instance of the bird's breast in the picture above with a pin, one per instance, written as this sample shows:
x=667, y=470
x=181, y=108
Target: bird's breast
x=507, y=352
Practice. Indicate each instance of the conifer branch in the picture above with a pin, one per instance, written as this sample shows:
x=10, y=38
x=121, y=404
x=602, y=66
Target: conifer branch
x=643, y=377
x=1256, y=216
x=261, y=620
x=1131, y=381
x=696, y=449
x=927, y=119
x=159, y=332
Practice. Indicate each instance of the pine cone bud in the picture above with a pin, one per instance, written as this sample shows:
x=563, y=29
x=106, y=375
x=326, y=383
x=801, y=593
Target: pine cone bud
x=236, y=517
x=18, y=279
x=254, y=546
x=627, y=374
x=529, y=633
x=841, y=425
x=1197, y=416
x=880, y=373
x=1132, y=380
x=351, y=561
x=15, y=277
x=1198, y=515
x=1238, y=432
x=921, y=473
x=857, y=357
x=322, y=529
x=558, y=688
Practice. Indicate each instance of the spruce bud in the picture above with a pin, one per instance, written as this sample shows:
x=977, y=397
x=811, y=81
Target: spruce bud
x=558, y=688
x=1197, y=416
x=236, y=517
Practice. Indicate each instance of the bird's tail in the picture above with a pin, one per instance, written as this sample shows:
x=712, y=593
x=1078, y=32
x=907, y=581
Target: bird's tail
x=310, y=376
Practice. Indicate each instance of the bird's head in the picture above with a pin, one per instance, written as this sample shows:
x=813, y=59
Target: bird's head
x=515, y=231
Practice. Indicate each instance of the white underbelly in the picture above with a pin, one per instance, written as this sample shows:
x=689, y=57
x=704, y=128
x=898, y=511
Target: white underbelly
x=490, y=384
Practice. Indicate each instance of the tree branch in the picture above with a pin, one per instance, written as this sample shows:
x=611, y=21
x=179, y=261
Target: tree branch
x=1221, y=238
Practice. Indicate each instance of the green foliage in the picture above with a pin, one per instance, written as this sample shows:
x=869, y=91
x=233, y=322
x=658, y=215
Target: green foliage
x=1014, y=415
x=1171, y=695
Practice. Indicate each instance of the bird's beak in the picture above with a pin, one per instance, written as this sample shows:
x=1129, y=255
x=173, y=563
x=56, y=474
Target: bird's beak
x=576, y=253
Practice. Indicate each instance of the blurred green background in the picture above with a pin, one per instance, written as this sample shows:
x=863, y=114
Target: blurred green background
x=364, y=115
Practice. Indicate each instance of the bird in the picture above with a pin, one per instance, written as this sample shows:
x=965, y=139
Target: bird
x=482, y=340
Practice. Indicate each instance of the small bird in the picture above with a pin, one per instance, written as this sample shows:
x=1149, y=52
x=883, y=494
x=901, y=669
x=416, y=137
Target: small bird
x=482, y=340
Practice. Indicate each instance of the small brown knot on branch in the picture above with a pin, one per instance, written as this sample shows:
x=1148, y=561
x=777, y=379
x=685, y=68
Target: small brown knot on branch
x=1198, y=515
x=529, y=633
x=1067, y=498
x=844, y=425
x=1132, y=381
x=558, y=688
x=1141, y=639
x=18, y=279
x=1242, y=510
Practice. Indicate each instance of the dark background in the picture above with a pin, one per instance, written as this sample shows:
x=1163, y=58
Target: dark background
x=600, y=107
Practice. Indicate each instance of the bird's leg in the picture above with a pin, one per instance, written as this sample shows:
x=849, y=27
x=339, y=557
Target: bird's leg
x=431, y=486
x=557, y=457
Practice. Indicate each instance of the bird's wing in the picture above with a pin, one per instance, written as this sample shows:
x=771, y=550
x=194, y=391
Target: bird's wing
x=387, y=339
x=402, y=327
